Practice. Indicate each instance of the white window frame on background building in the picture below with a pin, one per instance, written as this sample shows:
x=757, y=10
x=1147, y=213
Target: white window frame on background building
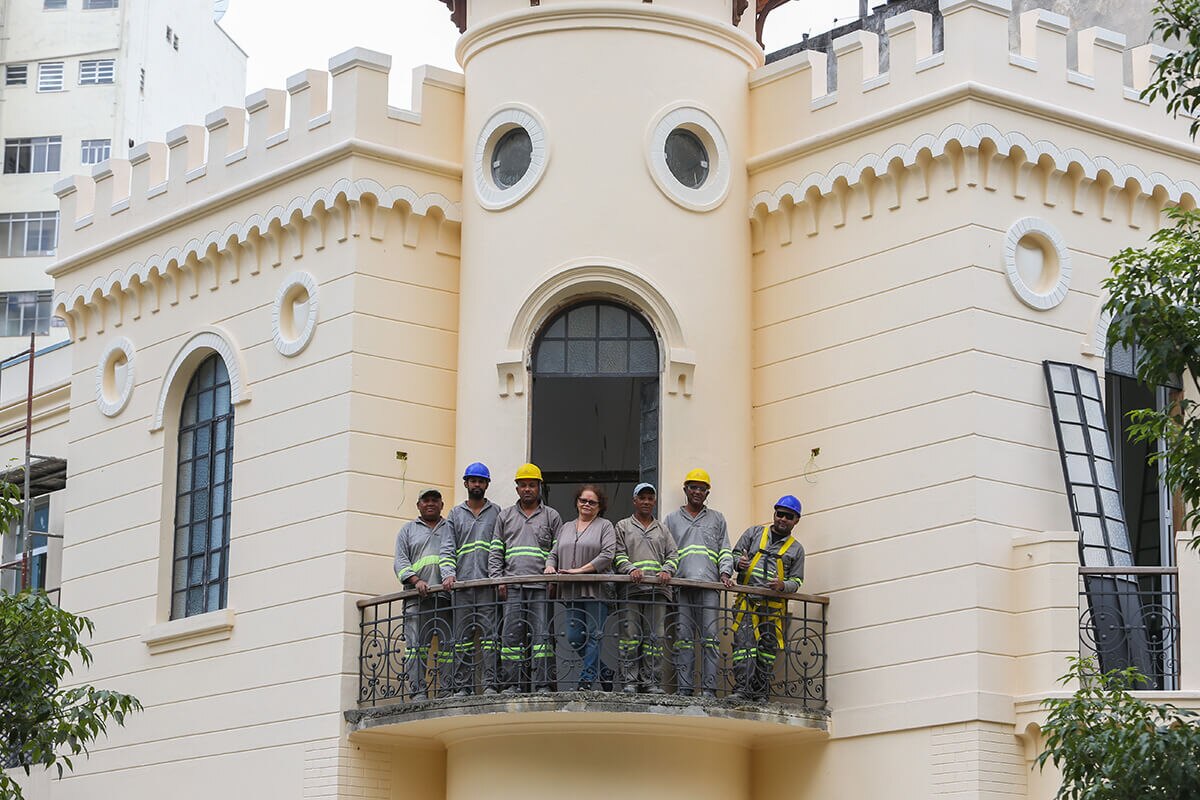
x=16, y=75
x=54, y=5
x=97, y=71
x=23, y=313
x=93, y=151
x=92, y=5
x=15, y=228
x=52, y=76
x=32, y=154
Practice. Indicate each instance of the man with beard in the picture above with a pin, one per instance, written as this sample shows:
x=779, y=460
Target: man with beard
x=464, y=557
x=523, y=537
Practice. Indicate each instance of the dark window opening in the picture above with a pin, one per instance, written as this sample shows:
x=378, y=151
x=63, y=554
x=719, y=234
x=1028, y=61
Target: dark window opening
x=596, y=405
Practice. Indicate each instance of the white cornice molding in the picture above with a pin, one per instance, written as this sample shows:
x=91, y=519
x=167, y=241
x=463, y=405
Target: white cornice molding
x=265, y=235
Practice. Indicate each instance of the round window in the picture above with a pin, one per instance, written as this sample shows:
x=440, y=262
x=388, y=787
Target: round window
x=687, y=158
x=511, y=157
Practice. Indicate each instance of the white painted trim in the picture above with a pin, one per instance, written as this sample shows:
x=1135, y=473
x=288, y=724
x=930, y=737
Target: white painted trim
x=1042, y=301
x=595, y=278
x=490, y=195
x=216, y=340
x=293, y=347
x=110, y=407
x=177, y=634
x=715, y=189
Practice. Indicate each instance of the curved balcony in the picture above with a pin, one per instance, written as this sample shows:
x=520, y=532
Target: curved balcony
x=746, y=660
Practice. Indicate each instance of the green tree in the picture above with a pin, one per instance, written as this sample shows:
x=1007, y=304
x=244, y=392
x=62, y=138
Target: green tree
x=1111, y=745
x=41, y=723
x=1154, y=297
x=1154, y=292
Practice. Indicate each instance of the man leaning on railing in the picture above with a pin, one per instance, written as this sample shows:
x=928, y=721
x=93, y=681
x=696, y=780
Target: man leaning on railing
x=418, y=551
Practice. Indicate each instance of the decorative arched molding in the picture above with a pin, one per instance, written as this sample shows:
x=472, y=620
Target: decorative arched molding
x=1055, y=173
x=292, y=342
x=595, y=277
x=344, y=209
x=112, y=395
x=1096, y=343
x=198, y=346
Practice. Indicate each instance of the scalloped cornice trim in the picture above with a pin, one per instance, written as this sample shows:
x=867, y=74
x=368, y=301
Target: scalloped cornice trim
x=969, y=156
x=344, y=210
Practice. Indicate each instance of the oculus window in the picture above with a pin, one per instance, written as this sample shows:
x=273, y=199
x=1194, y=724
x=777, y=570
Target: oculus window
x=204, y=474
x=687, y=158
x=511, y=157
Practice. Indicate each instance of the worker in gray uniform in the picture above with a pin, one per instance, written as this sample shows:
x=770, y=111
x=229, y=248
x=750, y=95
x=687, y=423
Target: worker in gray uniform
x=465, y=556
x=767, y=558
x=418, y=551
x=646, y=552
x=702, y=537
x=523, y=538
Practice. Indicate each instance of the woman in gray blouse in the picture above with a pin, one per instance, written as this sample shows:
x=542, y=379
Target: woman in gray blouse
x=585, y=545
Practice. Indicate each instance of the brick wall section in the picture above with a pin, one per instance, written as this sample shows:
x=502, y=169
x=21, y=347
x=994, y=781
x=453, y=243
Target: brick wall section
x=982, y=761
x=343, y=770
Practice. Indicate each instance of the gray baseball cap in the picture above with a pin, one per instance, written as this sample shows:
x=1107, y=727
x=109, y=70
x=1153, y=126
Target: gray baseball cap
x=641, y=487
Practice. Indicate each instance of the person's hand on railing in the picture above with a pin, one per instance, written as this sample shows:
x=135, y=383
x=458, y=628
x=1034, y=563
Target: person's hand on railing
x=776, y=584
x=502, y=591
x=549, y=571
x=636, y=576
x=422, y=587
x=448, y=583
x=728, y=581
x=664, y=577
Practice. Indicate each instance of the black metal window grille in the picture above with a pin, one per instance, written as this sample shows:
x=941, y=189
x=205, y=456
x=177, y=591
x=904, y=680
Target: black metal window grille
x=597, y=340
x=203, y=483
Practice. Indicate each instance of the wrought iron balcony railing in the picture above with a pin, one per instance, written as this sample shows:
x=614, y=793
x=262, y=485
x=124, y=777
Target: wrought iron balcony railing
x=602, y=633
x=1129, y=618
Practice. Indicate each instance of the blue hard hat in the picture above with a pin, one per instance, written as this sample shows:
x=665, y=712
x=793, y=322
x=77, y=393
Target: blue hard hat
x=790, y=502
x=477, y=470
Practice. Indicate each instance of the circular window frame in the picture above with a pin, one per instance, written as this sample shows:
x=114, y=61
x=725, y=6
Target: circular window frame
x=1039, y=300
x=715, y=189
x=293, y=346
x=491, y=195
x=112, y=406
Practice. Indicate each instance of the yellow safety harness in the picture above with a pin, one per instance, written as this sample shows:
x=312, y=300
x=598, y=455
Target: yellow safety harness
x=777, y=606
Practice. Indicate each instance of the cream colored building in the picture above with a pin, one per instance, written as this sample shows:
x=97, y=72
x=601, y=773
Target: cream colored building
x=83, y=81
x=853, y=277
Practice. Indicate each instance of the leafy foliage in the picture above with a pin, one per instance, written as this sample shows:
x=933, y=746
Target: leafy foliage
x=40, y=722
x=1111, y=745
x=1154, y=296
x=1177, y=22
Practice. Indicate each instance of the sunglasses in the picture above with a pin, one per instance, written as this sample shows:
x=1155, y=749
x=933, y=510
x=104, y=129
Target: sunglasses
x=583, y=501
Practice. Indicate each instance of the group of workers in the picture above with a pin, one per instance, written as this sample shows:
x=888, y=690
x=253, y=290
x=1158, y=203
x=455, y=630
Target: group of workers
x=479, y=540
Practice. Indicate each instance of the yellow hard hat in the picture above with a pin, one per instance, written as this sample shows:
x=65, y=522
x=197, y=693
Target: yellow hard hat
x=528, y=472
x=698, y=476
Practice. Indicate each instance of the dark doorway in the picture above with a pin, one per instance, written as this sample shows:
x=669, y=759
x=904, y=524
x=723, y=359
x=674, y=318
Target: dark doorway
x=595, y=404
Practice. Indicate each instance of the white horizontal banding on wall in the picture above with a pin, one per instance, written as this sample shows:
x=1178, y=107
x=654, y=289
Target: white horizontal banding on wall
x=75, y=305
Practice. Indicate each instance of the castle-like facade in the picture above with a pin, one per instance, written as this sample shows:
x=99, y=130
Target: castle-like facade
x=841, y=274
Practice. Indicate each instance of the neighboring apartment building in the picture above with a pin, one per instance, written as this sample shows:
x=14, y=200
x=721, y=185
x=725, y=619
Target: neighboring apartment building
x=83, y=80
x=621, y=245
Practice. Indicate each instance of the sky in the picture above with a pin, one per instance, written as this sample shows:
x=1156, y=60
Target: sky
x=283, y=37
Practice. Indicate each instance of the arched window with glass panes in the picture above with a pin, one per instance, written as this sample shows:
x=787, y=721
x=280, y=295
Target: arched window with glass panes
x=203, y=479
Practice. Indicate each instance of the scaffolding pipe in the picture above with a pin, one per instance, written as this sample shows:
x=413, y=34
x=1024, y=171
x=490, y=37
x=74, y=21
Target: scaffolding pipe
x=26, y=576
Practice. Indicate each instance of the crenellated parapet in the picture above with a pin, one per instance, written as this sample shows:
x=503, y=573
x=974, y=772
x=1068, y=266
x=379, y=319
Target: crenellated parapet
x=327, y=114
x=973, y=114
x=240, y=158
x=804, y=94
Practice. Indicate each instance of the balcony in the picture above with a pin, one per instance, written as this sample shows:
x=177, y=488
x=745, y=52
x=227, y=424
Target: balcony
x=1129, y=617
x=462, y=657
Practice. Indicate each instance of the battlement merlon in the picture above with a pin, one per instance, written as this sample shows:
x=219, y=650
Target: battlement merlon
x=796, y=98
x=239, y=150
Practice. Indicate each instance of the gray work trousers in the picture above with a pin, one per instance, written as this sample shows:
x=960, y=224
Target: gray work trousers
x=526, y=652
x=476, y=638
x=641, y=644
x=696, y=629
x=756, y=645
x=425, y=618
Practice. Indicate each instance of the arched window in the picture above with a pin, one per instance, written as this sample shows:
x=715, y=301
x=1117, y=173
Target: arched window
x=596, y=403
x=203, y=479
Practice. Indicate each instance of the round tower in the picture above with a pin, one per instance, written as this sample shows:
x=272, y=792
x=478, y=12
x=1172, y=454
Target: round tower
x=604, y=165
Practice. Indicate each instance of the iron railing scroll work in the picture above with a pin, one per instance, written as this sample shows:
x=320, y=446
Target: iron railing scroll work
x=729, y=645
